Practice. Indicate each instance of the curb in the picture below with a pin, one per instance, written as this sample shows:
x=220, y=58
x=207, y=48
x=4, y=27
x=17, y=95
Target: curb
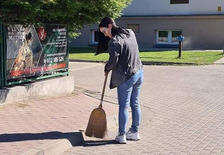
x=56, y=147
x=166, y=63
x=218, y=63
x=78, y=60
x=143, y=62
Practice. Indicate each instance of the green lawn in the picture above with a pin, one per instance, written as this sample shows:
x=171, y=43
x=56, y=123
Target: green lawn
x=195, y=57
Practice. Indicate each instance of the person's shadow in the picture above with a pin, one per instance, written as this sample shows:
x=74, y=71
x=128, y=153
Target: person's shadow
x=75, y=138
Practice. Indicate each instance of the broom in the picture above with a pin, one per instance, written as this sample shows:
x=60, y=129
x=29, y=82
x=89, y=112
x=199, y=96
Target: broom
x=97, y=125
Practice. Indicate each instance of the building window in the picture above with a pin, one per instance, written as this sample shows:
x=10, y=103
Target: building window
x=175, y=34
x=95, y=36
x=134, y=27
x=163, y=36
x=219, y=8
x=179, y=1
x=167, y=37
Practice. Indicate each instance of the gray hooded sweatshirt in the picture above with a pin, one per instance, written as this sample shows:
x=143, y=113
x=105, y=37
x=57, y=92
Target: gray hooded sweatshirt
x=124, y=60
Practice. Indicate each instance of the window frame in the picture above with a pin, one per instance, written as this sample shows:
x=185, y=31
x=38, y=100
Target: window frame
x=93, y=36
x=138, y=26
x=169, y=38
x=179, y=1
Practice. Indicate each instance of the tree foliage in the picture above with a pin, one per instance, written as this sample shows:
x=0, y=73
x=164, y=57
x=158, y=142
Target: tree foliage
x=74, y=13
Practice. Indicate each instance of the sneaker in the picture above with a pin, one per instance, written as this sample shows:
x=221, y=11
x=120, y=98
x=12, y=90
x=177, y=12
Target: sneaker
x=121, y=139
x=132, y=135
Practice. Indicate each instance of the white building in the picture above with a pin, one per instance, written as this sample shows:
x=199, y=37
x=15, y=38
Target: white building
x=157, y=23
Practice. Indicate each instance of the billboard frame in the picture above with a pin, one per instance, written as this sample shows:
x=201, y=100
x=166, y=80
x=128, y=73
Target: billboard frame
x=5, y=82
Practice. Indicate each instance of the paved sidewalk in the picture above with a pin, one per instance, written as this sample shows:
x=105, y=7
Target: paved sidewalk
x=182, y=113
x=187, y=103
x=30, y=124
x=220, y=61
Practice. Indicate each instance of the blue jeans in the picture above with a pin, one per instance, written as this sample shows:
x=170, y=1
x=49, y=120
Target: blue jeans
x=128, y=95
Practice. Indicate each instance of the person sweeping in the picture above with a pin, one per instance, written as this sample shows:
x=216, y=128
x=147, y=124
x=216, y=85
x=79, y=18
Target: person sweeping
x=127, y=75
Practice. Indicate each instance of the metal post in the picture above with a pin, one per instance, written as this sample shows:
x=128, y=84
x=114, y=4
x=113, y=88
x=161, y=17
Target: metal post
x=4, y=42
x=1, y=56
x=180, y=49
x=67, y=48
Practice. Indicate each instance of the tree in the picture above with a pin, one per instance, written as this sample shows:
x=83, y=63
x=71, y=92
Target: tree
x=74, y=13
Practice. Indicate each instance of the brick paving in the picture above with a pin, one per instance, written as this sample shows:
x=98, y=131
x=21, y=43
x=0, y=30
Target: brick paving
x=27, y=124
x=182, y=108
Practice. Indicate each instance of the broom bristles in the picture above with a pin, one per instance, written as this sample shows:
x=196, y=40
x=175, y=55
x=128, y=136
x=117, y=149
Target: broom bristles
x=97, y=125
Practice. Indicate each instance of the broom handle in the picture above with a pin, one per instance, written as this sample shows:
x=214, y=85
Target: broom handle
x=104, y=86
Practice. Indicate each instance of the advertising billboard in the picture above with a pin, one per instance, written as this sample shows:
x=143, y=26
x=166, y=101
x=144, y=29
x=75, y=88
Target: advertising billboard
x=35, y=51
